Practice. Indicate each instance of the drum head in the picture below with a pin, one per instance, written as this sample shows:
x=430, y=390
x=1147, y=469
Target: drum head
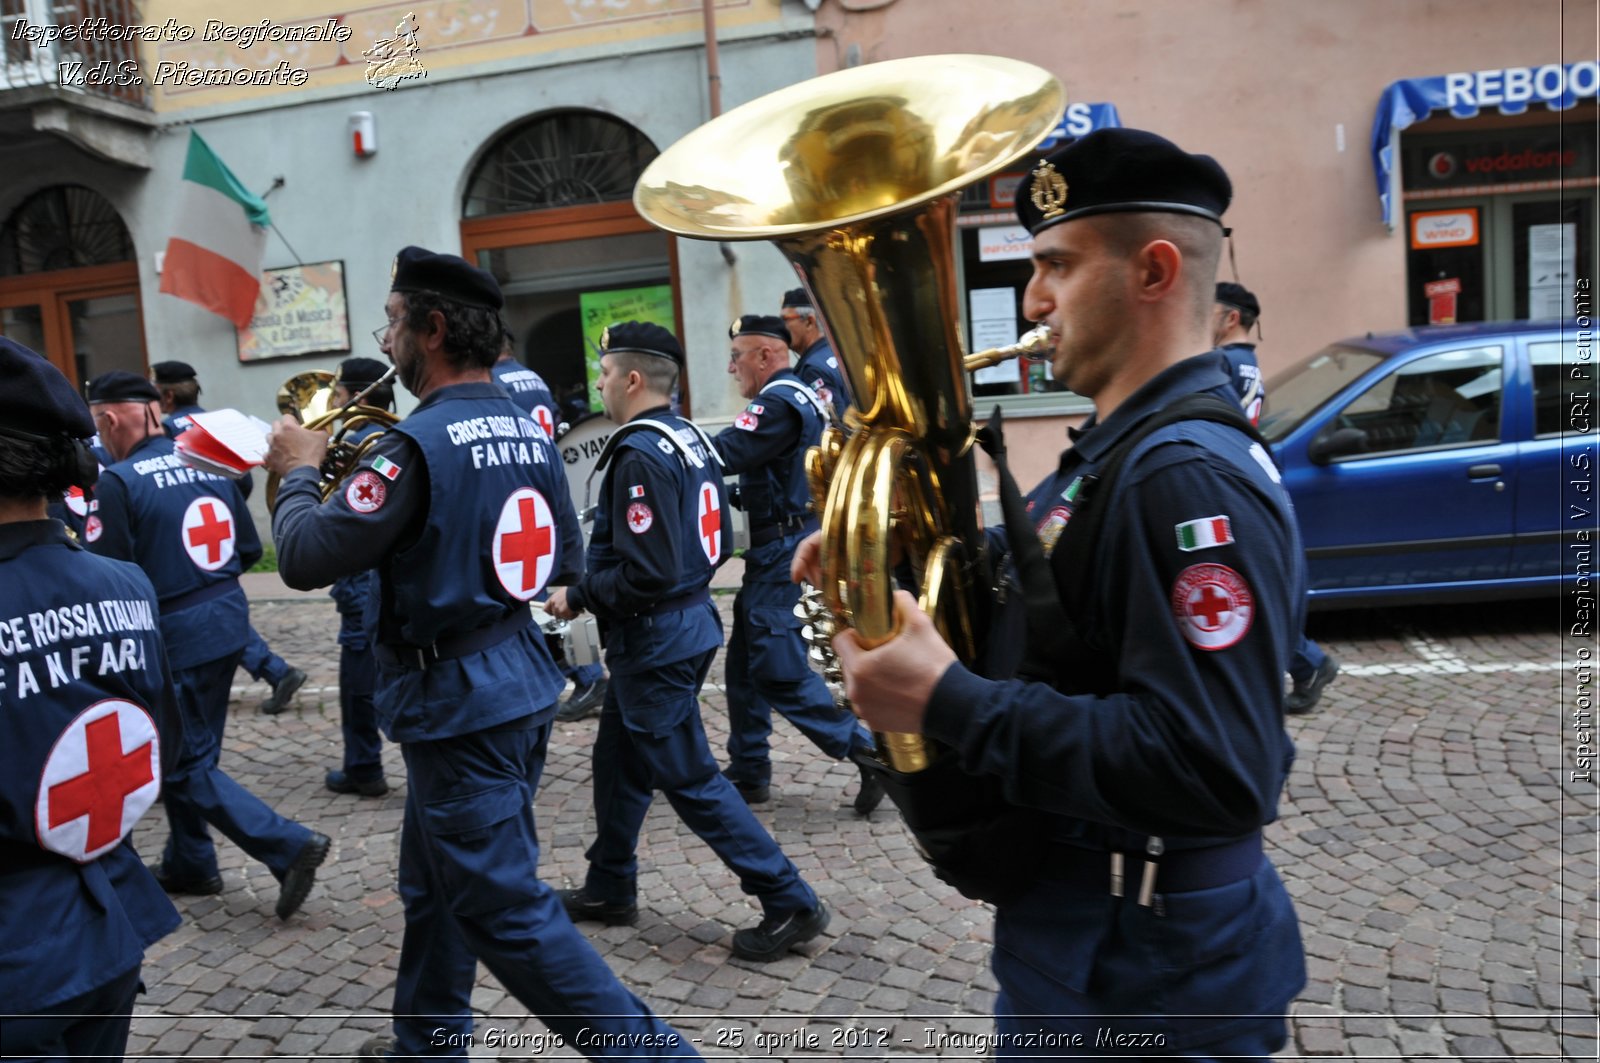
x=580, y=446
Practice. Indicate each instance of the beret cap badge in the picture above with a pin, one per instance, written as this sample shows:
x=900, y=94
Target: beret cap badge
x=1049, y=192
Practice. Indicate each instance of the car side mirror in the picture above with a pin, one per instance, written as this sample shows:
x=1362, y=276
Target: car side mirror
x=1336, y=444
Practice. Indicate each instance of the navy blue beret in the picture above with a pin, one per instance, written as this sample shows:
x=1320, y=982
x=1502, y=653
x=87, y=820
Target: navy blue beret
x=796, y=297
x=356, y=373
x=1121, y=171
x=759, y=325
x=119, y=385
x=643, y=337
x=451, y=276
x=172, y=372
x=37, y=398
x=1239, y=297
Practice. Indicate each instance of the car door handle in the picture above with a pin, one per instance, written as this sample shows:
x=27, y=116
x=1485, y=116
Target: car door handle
x=1479, y=472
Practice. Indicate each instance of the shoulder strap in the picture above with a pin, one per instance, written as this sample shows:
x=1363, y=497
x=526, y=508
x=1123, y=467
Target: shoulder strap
x=810, y=396
x=1086, y=529
x=667, y=432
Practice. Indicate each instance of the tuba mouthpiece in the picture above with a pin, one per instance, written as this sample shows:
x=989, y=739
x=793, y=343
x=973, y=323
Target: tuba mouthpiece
x=1036, y=341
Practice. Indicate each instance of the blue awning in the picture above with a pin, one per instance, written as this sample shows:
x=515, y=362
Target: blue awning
x=1464, y=94
x=1082, y=118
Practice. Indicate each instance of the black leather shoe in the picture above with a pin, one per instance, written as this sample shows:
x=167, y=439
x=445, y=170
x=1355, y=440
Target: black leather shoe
x=870, y=796
x=585, y=702
x=1304, y=697
x=580, y=907
x=282, y=691
x=778, y=933
x=341, y=783
x=302, y=873
x=380, y=1047
x=190, y=885
x=754, y=793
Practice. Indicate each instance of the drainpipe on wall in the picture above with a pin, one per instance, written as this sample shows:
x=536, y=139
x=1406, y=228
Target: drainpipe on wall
x=714, y=89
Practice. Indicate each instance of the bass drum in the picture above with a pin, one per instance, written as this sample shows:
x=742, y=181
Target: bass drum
x=580, y=446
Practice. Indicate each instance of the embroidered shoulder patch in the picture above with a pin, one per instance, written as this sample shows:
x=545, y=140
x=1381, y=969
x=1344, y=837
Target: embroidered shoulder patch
x=1212, y=605
x=385, y=468
x=1204, y=533
x=640, y=518
x=366, y=491
x=746, y=421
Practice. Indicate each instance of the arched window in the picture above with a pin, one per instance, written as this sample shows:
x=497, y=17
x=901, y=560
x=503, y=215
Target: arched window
x=62, y=227
x=565, y=159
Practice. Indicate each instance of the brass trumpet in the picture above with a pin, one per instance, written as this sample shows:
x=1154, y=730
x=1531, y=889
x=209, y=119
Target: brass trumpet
x=307, y=397
x=855, y=177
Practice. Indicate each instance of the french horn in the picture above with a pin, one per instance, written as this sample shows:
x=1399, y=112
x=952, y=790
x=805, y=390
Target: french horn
x=308, y=397
x=855, y=177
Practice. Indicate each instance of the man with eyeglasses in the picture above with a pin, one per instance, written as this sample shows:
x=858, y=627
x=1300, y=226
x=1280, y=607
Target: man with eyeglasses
x=462, y=512
x=766, y=666
x=818, y=367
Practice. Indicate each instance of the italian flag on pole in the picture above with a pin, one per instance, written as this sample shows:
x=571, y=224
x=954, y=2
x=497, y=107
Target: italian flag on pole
x=214, y=256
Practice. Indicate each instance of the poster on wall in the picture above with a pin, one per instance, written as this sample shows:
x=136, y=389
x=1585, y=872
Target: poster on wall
x=1552, y=261
x=300, y=310
x=994, y=324
x=652, y=303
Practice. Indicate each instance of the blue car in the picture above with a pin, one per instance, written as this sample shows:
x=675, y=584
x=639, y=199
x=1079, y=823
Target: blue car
x=1438, y=463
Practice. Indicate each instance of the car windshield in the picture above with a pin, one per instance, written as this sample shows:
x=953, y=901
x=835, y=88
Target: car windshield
x=1297, y=392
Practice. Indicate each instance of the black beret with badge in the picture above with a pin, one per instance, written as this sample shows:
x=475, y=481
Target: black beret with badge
x=759, y=325
x=37, y=399
x=796, y=297
x=119, y=385
x=172, y=372
x=358, y=372
x=1239, y=297
x=1121, y=171
x=450, y=276
x=642, y=337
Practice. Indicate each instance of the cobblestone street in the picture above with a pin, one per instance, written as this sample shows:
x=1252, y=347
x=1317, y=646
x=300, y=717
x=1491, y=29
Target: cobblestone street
x=1444, y=873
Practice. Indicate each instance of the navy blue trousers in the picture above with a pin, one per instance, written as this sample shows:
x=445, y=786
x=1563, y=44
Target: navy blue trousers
x=1307, y=658
x=358, y=719
x=90, y=1026
x=261, y=662
x=199, y=792
x=766, y=669
x=469, y=863
x=651, y=738
x=1208, y=974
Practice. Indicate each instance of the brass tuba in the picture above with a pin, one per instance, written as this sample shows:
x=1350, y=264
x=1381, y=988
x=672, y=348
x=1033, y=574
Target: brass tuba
x=308, y=397
x=855, y=176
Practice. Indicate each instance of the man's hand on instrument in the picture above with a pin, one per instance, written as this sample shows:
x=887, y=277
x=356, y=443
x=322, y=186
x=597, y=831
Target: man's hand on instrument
x=889, y=686
x=556, y=605
x=290, y=445
x=806, y=565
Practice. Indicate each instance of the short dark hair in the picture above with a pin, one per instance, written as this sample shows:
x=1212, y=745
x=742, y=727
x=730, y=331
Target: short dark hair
x=183, y=393
x=472, y=334
x=660, y=374
x=35, y=466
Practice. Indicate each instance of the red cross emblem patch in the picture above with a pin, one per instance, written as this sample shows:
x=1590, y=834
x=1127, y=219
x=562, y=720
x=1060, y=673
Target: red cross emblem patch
x=1213, y=606
x=366, y=491
x=76, y=502
x=208, y=533
x=545, y=420
x=103, y=774
x=92, y=529
x=746, y=421
x=639, y=518
x=710, y=523
x=525, y=543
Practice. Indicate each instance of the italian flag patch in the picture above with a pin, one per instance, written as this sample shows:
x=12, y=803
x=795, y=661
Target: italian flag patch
x=1203, y=533
x=388, y=469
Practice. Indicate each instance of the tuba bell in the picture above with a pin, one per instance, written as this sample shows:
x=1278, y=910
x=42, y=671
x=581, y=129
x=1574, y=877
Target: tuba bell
x=308, y=397
x=856, y=177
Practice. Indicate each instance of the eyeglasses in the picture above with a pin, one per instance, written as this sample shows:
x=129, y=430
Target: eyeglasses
x=381, y=334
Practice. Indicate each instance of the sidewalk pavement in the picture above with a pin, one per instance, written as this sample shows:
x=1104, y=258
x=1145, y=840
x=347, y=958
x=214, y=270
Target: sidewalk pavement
x=1442, y=862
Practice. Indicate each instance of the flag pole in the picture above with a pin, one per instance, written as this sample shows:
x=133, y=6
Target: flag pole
x=277, y=183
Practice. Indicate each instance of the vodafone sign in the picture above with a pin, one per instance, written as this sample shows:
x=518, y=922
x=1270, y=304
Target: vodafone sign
x=1444, y=228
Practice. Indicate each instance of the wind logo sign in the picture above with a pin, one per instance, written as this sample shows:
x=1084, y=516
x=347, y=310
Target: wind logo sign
x=1444, y=228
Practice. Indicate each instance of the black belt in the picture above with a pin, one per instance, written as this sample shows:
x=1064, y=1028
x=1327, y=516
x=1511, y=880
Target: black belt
x=193, y=598
x=1174, y=871
x=679, y=602
x=761, y=535
x=450, y=647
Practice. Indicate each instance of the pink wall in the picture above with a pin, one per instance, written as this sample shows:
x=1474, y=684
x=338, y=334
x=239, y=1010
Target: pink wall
x=1263, y=85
